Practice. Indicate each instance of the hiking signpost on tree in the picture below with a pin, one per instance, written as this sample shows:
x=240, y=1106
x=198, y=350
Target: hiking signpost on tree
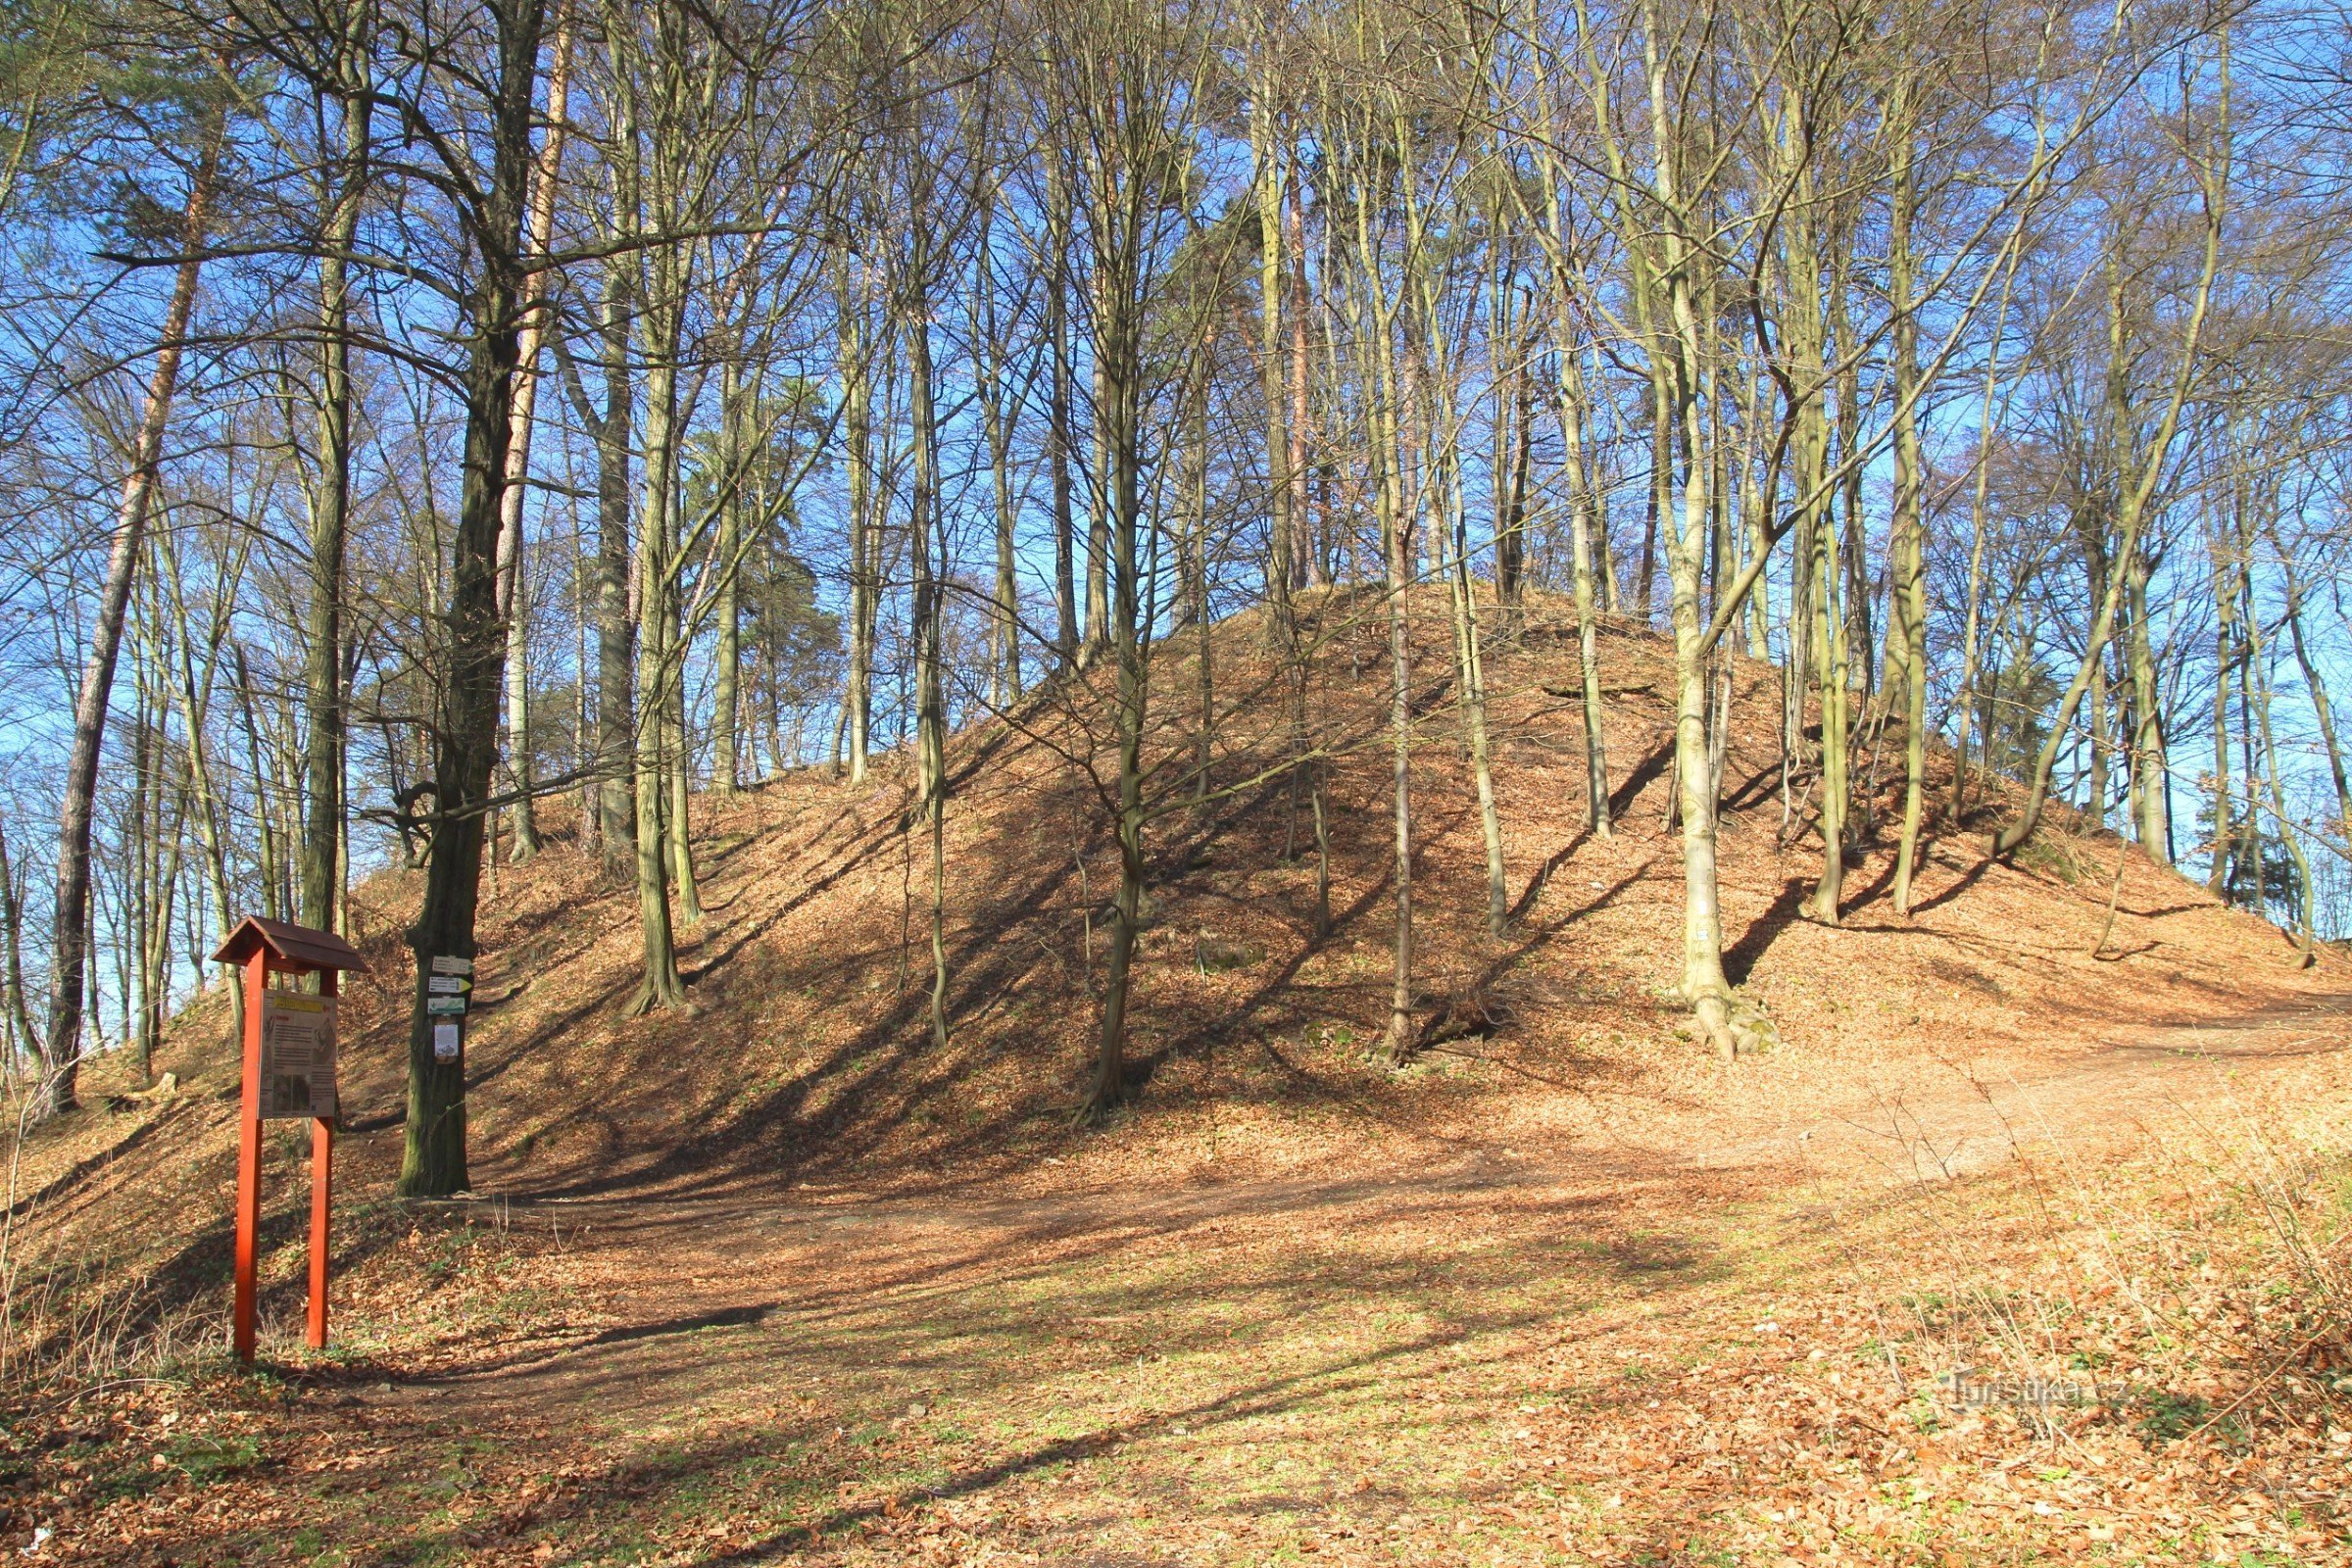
x=289, y=1054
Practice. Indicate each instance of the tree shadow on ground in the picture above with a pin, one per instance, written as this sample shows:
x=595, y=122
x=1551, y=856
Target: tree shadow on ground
x=994, y=1328
x=1739, y=958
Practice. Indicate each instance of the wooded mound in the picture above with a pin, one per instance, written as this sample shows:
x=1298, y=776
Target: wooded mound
x=806, y=1057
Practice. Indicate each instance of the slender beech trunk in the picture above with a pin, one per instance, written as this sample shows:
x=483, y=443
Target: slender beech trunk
x=1830, y=644
x=2248, y=851
x=1817, y=639
x=1059, y=451
x=1119, y=362
x=1099, y=522
x=1472, y=661
x=433, y=1154
x=1281, y=500
x=1448, y=512
x=2151, y=810
x=322, y=664
x=1558, y=242
x=138, y=847
x=162, y=837
x=1856, y=605
x=22, y=1033
x=1908, y=612
x=661, y=319
x=1387, y=441
x=513, y=594
x=155, y=990
x=193, y=691
x=1756, y=530
x=1588, y=630
x=1513, y=450
x=1705, y=986
x=736, y=418
x=267, y=863
x=1403, y=1037
x=996, y=419
x=69, y=979
x=1306, y=563
x=2288, y=836
x=2226, y=654
x=615, y=618
x=857, y=421
x=1661, y=499
x=677, y=751
x=583, y=691
x=929, y=548
x=1203, y=661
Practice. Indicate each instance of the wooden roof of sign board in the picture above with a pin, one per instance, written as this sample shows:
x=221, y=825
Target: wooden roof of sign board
x=319, y=950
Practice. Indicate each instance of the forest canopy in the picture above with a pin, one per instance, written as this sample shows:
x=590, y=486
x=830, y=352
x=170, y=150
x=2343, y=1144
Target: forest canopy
x=431, y=432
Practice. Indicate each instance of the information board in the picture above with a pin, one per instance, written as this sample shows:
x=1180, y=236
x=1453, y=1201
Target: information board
x=298, y=1055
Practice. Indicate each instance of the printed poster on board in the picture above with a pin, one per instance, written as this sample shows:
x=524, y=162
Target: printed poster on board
x=298, y=1055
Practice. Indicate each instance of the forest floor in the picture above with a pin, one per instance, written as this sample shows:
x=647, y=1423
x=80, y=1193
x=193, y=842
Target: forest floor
x=2003, y=1252
x=1742, y=1353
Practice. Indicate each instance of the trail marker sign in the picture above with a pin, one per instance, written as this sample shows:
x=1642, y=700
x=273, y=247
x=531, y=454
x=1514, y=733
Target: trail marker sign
x=289, y=1072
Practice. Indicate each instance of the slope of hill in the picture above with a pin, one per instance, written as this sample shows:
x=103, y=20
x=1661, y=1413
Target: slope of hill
x=806, y=1057
x=795, y=1145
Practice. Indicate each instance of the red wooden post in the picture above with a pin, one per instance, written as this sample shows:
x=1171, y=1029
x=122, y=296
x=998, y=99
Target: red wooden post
x=248, y=1156
x=323, y=1162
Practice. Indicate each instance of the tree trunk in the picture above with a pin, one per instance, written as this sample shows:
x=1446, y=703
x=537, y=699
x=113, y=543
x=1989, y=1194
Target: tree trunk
x=1005, y=605
x=322, y=829
x=1197, y=459
x=1281, y=502
x=1908, y=611
x=1588, y=632
x=615, y=621
x=924, y=538
x=1306, y=564
x=433, y=1156
x=1403, y=1036
x=60, y=1049
x=1058, y=411
x=660, y=652
x=514, y=608
x=1830, y=644
x=2225, y=656
x=2152, y=810
x=856, y=371
x=1661, y=503
x=736, y=421
x=2288, y=835
x=140, y=831
x=23, y=1035
x=1120, y=369
x=1472, y=661
x=1705, y=986
x=1099, y=522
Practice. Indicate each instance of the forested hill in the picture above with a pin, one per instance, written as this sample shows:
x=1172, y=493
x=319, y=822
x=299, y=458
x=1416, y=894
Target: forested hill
x=806, y=1054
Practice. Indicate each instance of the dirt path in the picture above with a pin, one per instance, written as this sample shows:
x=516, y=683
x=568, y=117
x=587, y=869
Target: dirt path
x=1943, y=1118
x=1600, y=1350
x=682, y=1267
